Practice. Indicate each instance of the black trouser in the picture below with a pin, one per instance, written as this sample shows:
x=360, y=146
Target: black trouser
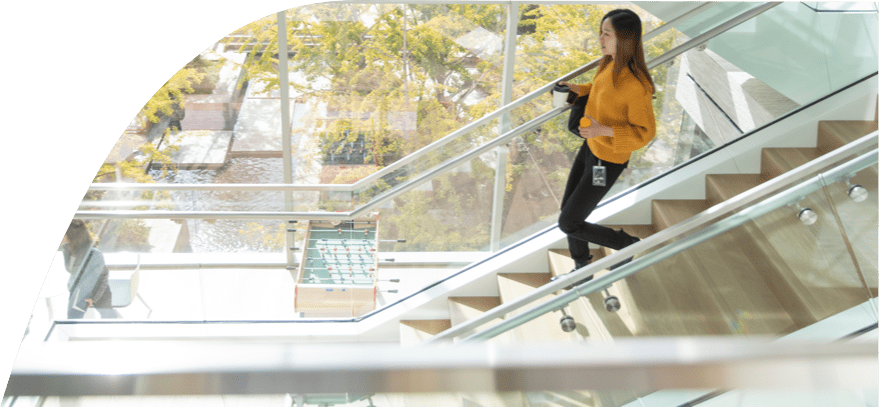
x=581, y=198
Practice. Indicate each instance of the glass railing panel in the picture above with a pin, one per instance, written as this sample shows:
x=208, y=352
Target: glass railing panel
x=801, y=37
x=854, y=202
x=714, y=16
x=451, y=213
x=780, y=273
x=537, y=170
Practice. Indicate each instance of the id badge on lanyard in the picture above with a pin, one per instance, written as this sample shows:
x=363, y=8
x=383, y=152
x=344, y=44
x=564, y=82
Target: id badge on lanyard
x=599, y=175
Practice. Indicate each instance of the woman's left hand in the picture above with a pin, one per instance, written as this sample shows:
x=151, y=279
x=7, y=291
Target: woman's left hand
x=90, y=303
x=594, y=129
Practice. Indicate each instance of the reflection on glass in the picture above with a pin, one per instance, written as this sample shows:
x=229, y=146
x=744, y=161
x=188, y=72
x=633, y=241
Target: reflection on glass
x=774, y=275
x=855, y=202
x=451, y=213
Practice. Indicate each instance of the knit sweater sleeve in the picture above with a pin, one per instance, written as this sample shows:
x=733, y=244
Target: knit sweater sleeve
x=581, y=89
x=640, y=127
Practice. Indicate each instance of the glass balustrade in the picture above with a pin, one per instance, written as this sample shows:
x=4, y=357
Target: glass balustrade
x=851, y=200
x=785, y=272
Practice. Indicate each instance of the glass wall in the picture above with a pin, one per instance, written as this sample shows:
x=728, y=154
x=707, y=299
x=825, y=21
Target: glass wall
x=380, y=96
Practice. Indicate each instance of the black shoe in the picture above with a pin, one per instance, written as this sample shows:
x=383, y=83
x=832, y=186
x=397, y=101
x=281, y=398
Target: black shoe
x=630, y=241
x=577, y=266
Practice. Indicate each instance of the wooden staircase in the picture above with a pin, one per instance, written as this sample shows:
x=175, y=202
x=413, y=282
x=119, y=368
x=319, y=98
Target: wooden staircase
x=771, y=276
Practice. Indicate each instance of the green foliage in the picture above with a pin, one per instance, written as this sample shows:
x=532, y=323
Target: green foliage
x=368, y=62
x=171, y=94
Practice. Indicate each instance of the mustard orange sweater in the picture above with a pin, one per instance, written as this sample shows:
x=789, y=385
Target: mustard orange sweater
x=627, y=108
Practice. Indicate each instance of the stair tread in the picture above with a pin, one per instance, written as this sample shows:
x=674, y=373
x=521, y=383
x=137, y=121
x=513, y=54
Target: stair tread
x=543, y=328
x=480, y=304
x=721, y=187
x=533, y=280
x=413, y=332
x=560, y=261
x=668, y=212
x=777, y=161
x=833, y=134
x=462, y=309
x=428, y=326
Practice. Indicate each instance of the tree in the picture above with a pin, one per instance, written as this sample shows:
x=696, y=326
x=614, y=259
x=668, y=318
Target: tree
x=377, y=68
x=405, y=64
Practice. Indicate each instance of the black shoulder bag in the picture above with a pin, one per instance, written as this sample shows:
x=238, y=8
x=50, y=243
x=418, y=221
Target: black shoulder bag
x=577, y=111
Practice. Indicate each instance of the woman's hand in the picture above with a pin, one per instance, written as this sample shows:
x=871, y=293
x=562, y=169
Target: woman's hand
x=560, y=83
x=594, y=128
x=90, y=303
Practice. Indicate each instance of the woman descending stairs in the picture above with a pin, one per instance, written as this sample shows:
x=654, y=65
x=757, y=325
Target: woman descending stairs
x=771, y=276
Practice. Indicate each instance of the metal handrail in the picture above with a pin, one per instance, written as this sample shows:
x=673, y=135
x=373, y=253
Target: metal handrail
x=653, y=242
x=407, y=186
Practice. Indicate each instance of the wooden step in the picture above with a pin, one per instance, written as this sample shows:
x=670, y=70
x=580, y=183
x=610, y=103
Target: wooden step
x=837, y=133
x=560, y=261
x=589, y=311
x=413, y=332
x=669, y=212
x=797, y=267
x=777, y=161
x=720, y=187
x=462, y=309
x=544, y=328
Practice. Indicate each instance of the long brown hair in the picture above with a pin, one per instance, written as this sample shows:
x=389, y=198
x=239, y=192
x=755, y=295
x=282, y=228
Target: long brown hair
x=79, y=237
x=630, y=50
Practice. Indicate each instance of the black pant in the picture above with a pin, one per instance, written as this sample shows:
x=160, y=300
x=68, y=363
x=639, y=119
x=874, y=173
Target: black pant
x=580, y=199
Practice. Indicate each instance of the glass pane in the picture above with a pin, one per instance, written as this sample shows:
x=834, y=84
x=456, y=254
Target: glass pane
x=855, y=202
x=796, y=53
x=774, y=275
x=450, y=214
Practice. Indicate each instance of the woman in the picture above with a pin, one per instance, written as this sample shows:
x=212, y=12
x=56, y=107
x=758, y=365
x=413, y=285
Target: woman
x=619, y=120
x=88, y=282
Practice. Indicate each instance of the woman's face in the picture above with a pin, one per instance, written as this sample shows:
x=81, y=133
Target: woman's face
x=608, y=38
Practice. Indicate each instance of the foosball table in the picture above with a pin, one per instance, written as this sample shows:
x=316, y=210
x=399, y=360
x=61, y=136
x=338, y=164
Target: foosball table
x=338, y=274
